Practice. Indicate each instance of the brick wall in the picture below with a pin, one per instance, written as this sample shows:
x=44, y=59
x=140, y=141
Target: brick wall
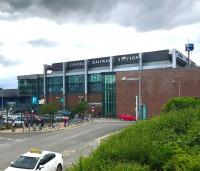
x=157, y=86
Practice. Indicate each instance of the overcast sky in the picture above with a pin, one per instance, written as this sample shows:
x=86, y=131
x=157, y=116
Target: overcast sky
x=37, y=32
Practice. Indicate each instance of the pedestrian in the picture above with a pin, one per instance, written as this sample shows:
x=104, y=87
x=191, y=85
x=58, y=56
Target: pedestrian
x=65, y=121
x=13, y=125
x=29, y=125
x=42, y=124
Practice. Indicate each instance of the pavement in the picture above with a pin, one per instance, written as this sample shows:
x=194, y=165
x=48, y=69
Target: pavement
x=46, y=128
x=58, y=127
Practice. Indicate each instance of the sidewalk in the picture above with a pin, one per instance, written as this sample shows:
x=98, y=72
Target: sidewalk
x=58, y=127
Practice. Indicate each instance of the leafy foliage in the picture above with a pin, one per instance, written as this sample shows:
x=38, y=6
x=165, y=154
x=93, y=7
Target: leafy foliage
x=49, y=108
x=81, y=107
x=169, y=142
x=180, y=103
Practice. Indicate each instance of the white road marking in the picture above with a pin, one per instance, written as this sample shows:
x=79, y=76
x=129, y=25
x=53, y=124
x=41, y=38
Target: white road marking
x=105, y=136
x=4, y=142
x=67, y=152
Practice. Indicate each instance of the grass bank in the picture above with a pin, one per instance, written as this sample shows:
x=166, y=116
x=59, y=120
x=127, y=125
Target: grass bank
x=168, y=142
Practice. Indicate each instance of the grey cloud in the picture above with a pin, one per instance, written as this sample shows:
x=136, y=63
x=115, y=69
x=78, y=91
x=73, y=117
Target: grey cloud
x=144, y=15
x=42, y=43
x=6, y=62
x=9, y=82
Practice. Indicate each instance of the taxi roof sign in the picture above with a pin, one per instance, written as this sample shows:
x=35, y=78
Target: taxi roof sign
x=36, y=150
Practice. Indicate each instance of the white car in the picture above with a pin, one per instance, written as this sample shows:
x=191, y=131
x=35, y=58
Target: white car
x=38, y=160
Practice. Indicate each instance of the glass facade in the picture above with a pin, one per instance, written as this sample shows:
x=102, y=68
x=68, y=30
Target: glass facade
x=109, y=95
x=54, y=85
x=103, y=83
x=28, y=87
x=40, y=86
x=75, y=83
x=94, y=83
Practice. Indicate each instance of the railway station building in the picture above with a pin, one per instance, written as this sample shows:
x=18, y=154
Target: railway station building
x=114, y=85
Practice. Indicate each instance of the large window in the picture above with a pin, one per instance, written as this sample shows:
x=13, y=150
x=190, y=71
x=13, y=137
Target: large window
x=94, y=83
x=109, y=95
x=41, y=86
x=75, y=83
x=28, y=87
x=54, y=85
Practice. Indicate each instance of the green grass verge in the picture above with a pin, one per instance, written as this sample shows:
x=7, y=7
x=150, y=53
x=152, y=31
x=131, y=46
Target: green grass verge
x=168, y=142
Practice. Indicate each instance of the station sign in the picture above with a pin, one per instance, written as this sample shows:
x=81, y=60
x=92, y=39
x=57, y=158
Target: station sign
x=99, y=62
x=76, y=65
x=126, y=59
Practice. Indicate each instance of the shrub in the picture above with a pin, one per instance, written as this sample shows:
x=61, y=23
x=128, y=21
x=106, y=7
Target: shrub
x=180, y=103
x=168, y=142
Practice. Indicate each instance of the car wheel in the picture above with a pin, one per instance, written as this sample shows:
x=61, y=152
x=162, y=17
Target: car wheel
x=59, y=168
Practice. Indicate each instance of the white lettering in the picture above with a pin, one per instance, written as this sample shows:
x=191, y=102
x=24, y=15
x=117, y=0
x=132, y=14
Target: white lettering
x=100, y=61
x=128, y=59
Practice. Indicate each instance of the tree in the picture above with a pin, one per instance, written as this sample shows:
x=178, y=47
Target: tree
x=81, y=107
x=50, y=108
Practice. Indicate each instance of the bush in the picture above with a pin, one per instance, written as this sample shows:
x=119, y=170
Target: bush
x=168, y=142
x=180, y=103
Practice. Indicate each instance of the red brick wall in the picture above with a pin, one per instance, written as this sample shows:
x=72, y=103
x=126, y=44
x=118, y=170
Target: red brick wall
x=156, y=88
x=73, y=99
x=95, y=98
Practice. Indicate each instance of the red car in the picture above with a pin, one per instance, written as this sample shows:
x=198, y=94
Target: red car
x=127, y=117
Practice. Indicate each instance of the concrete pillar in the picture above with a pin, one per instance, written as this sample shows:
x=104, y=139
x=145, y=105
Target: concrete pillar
x=86, y=79
x=140, y=62
x=64, y=87
x=174, y=58
x=44, y=83
x=111, y=64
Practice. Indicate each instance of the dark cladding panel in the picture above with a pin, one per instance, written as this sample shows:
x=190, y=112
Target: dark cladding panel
x=57, y=67
x=99, y=62
x=181, y=59
x=126, y=59
x=156, y=56
x=75, y=65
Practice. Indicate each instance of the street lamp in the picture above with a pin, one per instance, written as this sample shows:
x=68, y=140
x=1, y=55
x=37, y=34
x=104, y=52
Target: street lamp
x=1, y=99
x=179, y=87
x=138, y=102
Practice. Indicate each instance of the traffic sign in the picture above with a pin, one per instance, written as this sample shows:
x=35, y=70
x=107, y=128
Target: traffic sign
x=189, y=47
x=92, y=108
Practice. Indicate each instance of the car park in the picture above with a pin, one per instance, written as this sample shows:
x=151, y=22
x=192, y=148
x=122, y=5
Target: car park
x=58, y=117
x=10, y=120
x=127, y=117
x=38, y=160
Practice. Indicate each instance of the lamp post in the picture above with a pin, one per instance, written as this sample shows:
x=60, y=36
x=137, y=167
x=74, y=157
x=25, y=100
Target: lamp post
x=138, y=102
x=179, y=87
x=1, y=99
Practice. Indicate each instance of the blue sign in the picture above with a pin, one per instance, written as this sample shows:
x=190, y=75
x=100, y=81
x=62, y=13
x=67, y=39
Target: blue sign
x=189, y=47
x=34, y=100
x=62, y=100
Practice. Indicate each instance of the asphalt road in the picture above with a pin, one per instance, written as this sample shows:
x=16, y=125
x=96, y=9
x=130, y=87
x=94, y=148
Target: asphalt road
x=72, y=143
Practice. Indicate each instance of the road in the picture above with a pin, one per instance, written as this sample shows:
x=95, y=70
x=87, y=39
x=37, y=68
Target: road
x=71, y=143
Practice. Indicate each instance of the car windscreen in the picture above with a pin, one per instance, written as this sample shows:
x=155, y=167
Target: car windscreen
x=25, y=162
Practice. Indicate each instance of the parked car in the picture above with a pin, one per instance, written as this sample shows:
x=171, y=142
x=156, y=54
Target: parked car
x=127, y=117
x=36, y=160
x=10, y=121
x=58, y=117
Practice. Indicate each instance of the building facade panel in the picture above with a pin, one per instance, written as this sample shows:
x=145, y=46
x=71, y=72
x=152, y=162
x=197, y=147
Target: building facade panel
x=157, y=86
x=100, y=81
